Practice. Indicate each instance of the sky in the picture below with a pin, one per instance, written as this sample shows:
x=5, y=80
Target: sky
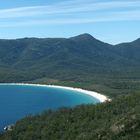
x=112, y=21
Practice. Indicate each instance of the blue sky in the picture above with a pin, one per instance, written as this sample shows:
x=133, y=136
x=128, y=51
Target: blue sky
x=112, y=21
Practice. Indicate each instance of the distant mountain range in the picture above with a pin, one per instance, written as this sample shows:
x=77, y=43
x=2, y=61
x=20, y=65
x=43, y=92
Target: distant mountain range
x=67, y=59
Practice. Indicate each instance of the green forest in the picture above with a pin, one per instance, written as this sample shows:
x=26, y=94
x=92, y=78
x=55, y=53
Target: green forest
x=115, y=120
x=81, y=61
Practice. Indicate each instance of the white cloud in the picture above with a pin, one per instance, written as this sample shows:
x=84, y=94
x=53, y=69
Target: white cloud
x=81, y=11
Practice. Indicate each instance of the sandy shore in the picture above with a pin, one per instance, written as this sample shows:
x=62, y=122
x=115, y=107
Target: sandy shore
x=100, y=97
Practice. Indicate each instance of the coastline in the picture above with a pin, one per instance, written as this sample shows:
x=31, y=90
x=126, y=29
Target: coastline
x=102, y=98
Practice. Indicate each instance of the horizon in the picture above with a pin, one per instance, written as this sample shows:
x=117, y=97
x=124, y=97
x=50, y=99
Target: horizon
x=66, y=38
x=110, y=21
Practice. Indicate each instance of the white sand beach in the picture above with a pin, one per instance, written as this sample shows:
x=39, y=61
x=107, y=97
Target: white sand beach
x=100, y=97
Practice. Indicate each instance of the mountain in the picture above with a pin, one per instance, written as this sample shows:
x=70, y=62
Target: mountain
x=130, y=50
x=80, y=61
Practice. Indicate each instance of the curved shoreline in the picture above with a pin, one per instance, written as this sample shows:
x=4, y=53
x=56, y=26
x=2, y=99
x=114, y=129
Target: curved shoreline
x=100, y=97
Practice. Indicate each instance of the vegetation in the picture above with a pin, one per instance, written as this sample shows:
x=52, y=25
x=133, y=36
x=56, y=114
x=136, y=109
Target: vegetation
x=116, y=120
x=80, y=61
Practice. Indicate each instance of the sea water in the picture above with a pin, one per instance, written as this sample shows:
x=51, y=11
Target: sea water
x=18, y=101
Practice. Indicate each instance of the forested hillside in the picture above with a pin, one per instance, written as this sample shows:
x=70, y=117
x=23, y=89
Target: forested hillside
x=80, y=61
x=116, y=120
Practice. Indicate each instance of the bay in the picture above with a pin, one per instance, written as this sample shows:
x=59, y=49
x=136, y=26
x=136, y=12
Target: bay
x=18, y=101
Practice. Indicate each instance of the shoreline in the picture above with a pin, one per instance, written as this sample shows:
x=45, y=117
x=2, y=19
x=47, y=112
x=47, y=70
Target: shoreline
x=102, y=98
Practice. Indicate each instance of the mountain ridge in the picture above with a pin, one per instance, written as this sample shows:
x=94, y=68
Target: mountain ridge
x=83, y=34
x=81, y=61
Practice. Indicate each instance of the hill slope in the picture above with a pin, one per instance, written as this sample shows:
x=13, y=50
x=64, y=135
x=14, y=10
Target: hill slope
x=116, y=120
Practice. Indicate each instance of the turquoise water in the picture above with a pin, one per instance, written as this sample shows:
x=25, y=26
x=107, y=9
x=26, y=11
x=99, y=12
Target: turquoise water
x=18, y=101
